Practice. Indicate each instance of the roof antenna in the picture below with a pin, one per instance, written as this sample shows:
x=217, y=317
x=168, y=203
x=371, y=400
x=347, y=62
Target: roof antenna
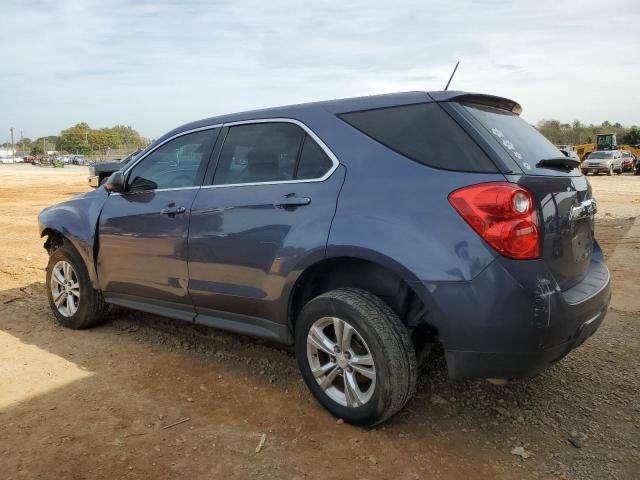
x=452, y=74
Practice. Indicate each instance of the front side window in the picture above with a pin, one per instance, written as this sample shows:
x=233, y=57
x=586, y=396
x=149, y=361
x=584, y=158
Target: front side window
x=269, y=152
x=176, y=164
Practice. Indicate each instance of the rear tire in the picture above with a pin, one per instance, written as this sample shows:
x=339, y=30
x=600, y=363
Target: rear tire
x=74, y=302
x=383, y=384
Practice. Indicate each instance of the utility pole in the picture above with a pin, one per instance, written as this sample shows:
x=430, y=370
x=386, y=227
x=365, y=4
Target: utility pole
x=22, y=142
x=13, y=152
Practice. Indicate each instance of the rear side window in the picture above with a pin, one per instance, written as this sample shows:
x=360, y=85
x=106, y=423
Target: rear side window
x=259, y=152
x=424, y=133
x=269, y=152
x=314, y=163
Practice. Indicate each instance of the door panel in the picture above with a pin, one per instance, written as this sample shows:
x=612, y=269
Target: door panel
x=143, y=252
x=243, y=247
x=142, y=233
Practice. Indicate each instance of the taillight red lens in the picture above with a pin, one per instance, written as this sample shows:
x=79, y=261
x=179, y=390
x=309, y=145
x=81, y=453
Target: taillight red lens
x=503, y=214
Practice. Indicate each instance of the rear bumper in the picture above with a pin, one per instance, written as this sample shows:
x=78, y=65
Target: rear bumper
x=470, y=364
x=512, y=320
x=94, y=181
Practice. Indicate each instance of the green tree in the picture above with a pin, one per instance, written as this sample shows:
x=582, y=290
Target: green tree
x=577, y=133
x=81, y=138
x=632, y=137
x=44, y=144
x=36, y=149
x=73, y=139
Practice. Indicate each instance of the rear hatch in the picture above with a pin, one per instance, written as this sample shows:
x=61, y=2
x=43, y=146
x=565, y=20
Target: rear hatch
x=562, y=194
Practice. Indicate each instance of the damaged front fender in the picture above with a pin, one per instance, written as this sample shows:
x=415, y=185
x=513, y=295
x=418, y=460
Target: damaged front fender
x=76, y=220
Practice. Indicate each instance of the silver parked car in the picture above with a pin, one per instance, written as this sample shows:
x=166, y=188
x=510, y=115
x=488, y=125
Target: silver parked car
x=604, y=161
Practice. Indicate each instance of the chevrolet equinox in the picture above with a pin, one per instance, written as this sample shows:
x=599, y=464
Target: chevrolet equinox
x=361, y=231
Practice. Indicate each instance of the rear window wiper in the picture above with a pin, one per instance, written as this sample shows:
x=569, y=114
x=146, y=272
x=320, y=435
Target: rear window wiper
x=559, y=162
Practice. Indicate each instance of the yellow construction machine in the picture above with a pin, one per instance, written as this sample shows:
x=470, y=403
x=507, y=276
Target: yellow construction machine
x=605, y=141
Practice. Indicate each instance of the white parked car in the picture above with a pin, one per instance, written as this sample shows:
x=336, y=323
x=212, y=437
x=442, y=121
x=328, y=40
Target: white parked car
x=603, y=161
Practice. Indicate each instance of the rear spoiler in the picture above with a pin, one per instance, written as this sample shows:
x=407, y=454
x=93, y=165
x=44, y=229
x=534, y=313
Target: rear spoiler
x=478, y=98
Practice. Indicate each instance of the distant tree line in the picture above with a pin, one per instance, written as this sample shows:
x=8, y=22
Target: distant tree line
x=83, y=140
x=577, y=133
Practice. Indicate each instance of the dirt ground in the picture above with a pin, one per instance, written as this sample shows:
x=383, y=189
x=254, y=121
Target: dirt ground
x=100, y=403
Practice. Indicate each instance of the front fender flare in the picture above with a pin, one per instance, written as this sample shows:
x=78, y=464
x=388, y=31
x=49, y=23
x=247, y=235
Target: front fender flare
x=76, y=220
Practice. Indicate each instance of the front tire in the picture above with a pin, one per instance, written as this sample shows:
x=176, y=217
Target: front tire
x=355, y=356
x=74, y=302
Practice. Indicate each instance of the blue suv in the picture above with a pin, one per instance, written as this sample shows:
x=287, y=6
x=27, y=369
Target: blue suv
x=361, y=231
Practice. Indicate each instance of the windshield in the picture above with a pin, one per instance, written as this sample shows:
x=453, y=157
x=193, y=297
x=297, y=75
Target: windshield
x=521, y=141
x=600, y=155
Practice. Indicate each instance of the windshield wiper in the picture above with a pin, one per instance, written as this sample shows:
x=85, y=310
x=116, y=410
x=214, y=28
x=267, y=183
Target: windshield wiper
x=559, y=162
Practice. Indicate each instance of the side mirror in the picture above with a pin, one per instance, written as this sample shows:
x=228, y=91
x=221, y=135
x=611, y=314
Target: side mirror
x=116, y=183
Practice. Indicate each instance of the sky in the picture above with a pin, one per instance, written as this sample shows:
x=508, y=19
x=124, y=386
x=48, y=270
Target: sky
x=156, y=65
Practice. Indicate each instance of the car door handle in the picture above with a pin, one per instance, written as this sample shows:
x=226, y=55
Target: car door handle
x=172, y=210
x=292, y=202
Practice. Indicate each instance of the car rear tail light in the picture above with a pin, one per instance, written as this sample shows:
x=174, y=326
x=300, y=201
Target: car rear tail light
x=503, y=214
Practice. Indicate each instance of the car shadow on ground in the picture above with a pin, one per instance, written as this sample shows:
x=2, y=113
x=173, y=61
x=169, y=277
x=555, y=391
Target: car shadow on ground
x=138, y=373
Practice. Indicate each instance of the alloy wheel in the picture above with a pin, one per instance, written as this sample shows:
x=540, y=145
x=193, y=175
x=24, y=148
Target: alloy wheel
x=341, y=362
x=65, y=288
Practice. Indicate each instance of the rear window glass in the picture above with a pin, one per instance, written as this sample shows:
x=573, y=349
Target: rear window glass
x=424, y=133
x=521, y=141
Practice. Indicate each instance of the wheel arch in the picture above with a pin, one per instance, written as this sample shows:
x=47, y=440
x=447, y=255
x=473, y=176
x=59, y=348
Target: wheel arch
x=57, y=236
x=371, y=272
